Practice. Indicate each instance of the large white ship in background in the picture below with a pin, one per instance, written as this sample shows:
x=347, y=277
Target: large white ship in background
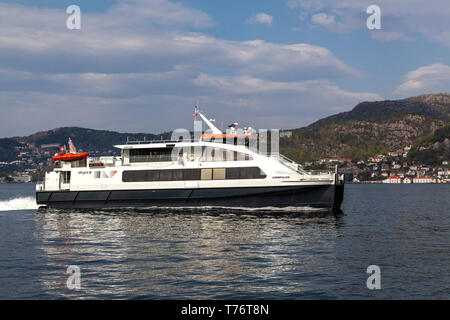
x=217, y=169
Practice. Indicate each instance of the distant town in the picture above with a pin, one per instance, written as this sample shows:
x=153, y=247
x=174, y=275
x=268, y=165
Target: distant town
x=33, y=161
x=391, y=167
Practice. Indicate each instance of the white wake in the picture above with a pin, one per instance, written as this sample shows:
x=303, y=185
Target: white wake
x=23, y=203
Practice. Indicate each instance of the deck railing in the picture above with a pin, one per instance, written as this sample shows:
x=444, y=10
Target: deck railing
x=298, y=167
x=285, y=160
x=159, y=141
x=154, y=158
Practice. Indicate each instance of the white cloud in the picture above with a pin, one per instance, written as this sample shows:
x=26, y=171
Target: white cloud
x=388, y=36
x=312, y=5
x=104, y=45
x=158, y=12
x=427, y=79
x=141, y=56
x=247, y=85
x=324, y=20
x=400, y=19
x=292, y=4
x=262, y=18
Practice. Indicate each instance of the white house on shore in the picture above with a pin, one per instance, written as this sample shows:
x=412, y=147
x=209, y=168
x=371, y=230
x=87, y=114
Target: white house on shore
x=423, y=179
x=393, y=179
x=408, y=180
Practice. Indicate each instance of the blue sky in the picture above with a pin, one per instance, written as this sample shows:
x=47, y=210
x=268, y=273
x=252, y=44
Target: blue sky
x=141, y=65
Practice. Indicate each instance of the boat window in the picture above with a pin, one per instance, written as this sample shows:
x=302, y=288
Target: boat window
x=165, y=175
x=80, y=163
x=65, y=176
x=233, y=173
x=151, y=155
x=152, y=175
x=193, y=174
x=219, y=173
x=140, y=175
x=206, y=174
x=177, y=175
x=245, y=173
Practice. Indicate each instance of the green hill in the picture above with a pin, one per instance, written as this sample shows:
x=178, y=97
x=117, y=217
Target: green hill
x=433, y=148
x=83, y=138
x=7, y=151
x=90, y=140
x=370, y=128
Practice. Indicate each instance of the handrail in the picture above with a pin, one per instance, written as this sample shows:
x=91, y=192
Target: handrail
x=159, y=141
x=296, y=166
x=277, y=154
x=152, y=158
x=285, y=160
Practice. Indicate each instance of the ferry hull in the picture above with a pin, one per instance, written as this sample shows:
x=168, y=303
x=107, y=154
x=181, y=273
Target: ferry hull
x=323, y=196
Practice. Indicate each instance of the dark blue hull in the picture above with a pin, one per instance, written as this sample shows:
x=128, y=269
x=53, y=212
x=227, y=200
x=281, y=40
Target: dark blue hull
x=324, y=196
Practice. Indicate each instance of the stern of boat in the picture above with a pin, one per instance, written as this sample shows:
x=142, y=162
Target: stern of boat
x=339, y=183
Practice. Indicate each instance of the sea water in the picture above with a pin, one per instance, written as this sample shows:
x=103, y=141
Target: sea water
x=223, y=253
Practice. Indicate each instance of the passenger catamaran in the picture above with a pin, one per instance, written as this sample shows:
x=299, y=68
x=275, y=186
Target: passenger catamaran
x=215, y=169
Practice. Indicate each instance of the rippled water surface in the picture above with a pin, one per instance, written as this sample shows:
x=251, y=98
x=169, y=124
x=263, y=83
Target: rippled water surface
x=219, y=253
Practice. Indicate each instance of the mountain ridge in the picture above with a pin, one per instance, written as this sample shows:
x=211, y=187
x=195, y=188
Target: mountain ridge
x=369, y=128
x=369, y=110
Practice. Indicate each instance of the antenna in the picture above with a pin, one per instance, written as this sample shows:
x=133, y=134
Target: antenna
x=208, y=122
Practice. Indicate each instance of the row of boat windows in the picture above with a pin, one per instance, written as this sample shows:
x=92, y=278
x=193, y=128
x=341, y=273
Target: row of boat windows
x=193, y=174
x=208, y=154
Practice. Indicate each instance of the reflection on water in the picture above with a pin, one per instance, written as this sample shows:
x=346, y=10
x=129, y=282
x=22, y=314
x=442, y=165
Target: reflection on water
x=187, y=253
x=218, y=253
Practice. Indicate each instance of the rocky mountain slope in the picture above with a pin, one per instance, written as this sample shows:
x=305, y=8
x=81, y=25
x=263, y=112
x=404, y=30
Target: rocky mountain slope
x=432, y=148
x=370, y=128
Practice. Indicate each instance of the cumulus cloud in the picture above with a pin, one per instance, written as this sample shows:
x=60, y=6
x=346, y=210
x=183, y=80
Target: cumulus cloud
x=324, y=20
x=156, y=12
x=401, y=20
x=426, y=79
x=141, y=58
x=312, y=5
x=247, y=85
x=279, y=104
x=262, y=18
x=388, y=36
x=100, y=47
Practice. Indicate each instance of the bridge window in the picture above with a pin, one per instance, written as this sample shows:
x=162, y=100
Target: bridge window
x=151, y=155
